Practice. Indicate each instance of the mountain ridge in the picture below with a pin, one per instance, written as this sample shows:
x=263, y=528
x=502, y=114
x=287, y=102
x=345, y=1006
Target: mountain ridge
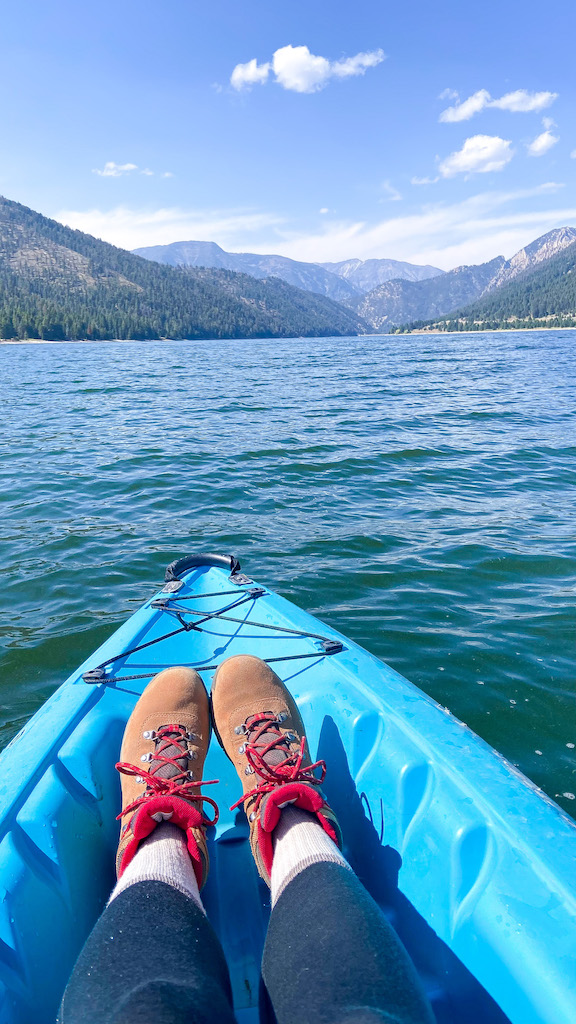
x=365, y=275
x=541, y=295
x=58, y=283
x=395, y=303
x=309, y=276
x=344, y=281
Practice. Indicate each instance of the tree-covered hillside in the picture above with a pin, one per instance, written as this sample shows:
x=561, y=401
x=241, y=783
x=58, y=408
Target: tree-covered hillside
x=545, y=296
x=57, y=283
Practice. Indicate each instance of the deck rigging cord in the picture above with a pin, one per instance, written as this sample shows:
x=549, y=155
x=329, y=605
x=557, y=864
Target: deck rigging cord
x=98, y=674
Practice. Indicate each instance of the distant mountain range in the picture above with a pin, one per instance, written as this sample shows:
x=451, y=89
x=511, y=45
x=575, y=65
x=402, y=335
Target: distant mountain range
x=56, y=283
x=401, y=302
x=344, y=282
x=384, y=293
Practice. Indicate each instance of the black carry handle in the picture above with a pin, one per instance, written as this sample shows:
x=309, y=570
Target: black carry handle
x=176, y=569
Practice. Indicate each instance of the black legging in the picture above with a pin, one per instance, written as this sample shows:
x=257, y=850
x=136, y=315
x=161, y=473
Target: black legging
x=330, y=958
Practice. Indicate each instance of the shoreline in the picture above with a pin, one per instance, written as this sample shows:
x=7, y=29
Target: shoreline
x=491, y=330
x=372, y=334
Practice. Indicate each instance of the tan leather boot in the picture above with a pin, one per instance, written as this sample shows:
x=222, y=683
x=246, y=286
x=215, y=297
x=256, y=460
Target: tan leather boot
x=259, y=726
x=161, y=764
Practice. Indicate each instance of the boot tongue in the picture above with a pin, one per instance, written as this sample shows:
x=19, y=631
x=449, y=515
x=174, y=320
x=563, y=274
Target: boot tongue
x=279, y=753
x=162, y=744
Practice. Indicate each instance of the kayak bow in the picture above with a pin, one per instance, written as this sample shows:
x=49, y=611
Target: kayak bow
x=470, y=861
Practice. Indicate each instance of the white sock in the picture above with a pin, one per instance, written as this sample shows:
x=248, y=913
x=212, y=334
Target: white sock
x=299, y=841
x=162, y=857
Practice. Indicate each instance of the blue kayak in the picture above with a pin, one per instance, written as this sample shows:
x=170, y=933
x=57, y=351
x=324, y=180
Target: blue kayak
x=473, y=865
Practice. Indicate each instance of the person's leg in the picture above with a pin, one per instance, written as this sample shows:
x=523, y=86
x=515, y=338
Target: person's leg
x=153, y=956
x=330, y=955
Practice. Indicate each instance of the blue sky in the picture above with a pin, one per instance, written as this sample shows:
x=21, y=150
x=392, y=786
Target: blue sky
x=344, y=131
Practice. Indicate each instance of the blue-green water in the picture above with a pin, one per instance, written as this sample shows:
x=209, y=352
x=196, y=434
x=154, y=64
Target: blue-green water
x=418, y=493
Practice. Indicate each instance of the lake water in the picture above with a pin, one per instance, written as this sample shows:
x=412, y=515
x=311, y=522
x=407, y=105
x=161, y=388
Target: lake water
x=416, y=492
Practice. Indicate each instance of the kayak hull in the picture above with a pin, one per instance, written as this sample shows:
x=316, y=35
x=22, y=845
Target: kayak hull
x=471, y=863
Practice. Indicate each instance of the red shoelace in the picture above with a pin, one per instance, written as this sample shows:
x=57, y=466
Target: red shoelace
x=178, y=785
x=274, y=775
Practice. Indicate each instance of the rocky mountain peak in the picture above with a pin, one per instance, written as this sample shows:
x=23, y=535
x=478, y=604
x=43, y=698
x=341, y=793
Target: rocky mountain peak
x=541, y=249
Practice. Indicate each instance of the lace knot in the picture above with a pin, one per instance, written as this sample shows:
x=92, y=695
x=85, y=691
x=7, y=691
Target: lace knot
x=263, y=757
x=168, y=774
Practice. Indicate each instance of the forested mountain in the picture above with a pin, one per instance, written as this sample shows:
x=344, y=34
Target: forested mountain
x=57, y=283
x=341, y=281
x=398, y=302
x=541, y=296
x=539, y=251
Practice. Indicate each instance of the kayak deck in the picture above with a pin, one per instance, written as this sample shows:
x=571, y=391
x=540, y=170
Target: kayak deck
x=472, y=865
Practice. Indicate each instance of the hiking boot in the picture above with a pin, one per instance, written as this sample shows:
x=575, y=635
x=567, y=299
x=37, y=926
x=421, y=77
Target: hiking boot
x=259, y=727
x=161, y=764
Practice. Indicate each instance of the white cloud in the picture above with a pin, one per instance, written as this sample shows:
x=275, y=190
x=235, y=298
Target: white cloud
x=324, y=210
x=542, y=143
x=356, y=65
x=523, y=102
x=131, y=228
x=573, y=154
x=297, y=69
x=244, y=76
x=112, y=170
x=392, y=194
x=444, y=235
x=465, y=110
x=479, y=154
x=423, y=181
x=519, y=102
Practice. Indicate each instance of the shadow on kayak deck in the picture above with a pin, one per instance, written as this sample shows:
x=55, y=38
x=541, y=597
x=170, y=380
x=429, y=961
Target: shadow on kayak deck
x=239, y=911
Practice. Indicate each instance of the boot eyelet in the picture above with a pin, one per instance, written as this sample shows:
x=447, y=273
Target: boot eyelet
x=146, y=757
x=149, y=734
x=240, y=729
x=138, y=779
x=282, y=716
x=248, y=770
x=191, y=736
x=252, y=816
x=242, y=748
